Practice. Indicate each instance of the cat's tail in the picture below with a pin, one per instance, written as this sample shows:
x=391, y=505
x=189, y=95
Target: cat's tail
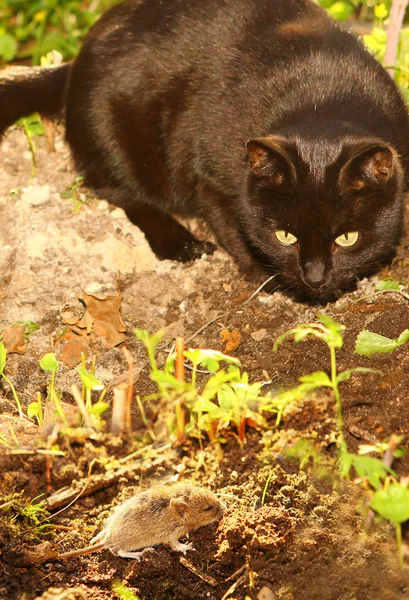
x=25, y=90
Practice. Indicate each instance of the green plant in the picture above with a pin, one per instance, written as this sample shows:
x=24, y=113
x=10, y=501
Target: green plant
x=369, y=343
x=226, y=397
x=90, y=383
x=35, y=410
x=24, y=516
x=73, y=192
x=123, y=592
x=391, y=502
x=32, y=126
x=3, y=357
x=330, y=332
x=50, y=363
x=31, y=29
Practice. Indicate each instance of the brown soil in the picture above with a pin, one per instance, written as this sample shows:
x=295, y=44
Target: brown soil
x=306, y=542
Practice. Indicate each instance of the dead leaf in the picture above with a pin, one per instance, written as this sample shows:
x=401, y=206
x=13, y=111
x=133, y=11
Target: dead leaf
x=13, y=339
x=96, y=318
x=232, y=339
x=71, y=352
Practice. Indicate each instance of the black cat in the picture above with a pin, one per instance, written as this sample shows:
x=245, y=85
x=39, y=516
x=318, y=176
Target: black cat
x=262, y=117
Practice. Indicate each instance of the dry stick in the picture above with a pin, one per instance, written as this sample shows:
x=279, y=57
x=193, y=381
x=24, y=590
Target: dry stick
x=387, y=460
x=119, y=407
x=207, y=578
x=180, y=362
x=129, y=360
x=80, y=403
x=395, y=24
x=235, y=585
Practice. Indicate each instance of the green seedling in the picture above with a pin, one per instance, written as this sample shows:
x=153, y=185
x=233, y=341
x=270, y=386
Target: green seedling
x=123, y=592
x=392, y=503
x=226, y=398
x=368, y=343
x=32, y=126
x=50, y=363
x=238, y=402
x=329, y=332
x=90, y=383
x=3, y=357
x=73, y=192
x=35, y=410
x=30, y=327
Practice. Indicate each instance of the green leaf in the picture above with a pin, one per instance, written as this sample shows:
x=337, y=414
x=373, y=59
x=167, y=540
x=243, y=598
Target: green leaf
x=387, y=284
x=33, y=410
x=3, y=354
x=346, y=375
x=8, y=47
x=392, y=503
x=368, y=343
x=98, y=408
x=122, y=591
x=317, y=379
x=373, y=469
x=341, y=10
x=89, y=381
x=210, y=359
x=49, y=362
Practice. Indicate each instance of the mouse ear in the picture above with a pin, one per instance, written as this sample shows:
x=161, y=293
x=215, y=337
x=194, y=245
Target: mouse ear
x=179, y=506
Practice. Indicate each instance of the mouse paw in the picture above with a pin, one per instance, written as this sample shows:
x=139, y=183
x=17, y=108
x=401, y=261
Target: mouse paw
x=134, y=555
x=178, y=547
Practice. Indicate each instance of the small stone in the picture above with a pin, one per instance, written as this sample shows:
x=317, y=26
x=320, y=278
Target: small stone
x=102, y=205
x=27, y=155
x=266, y=594
x=118, y=213
x=36, y=194
x=259, y=335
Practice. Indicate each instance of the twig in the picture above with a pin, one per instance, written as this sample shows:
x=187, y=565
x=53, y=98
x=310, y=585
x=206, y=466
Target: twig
x=207, y=578
x=235, y=585
x=119, y=407
x=129, y=360
x=80, y=403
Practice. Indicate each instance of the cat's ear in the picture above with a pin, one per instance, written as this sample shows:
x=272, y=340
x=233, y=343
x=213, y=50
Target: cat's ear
x=270, y=160
x=370, y=165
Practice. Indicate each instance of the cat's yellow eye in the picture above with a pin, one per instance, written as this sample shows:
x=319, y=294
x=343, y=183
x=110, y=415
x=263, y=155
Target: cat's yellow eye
x=285, y=237
x=347, y=239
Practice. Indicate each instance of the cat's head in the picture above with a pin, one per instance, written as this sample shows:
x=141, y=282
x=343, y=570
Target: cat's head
x=322, y=214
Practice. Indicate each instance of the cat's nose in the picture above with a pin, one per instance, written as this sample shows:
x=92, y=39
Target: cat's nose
x=314, y=273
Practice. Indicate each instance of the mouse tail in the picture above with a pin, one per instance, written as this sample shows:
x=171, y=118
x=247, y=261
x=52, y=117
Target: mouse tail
x=25, y=90
x=81, y=551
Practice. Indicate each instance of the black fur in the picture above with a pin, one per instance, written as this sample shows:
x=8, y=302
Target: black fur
x=164, y=96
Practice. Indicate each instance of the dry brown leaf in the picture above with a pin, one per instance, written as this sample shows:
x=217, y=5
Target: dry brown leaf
x=93, y=318
x=71, y=352
x=232, y=339
x=13, y=339
x=105, y=309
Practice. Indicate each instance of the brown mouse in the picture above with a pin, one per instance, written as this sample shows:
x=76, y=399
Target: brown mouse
x=160, y=515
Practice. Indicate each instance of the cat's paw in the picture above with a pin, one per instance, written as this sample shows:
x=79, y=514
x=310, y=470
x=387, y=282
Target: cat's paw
x=191, y=250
